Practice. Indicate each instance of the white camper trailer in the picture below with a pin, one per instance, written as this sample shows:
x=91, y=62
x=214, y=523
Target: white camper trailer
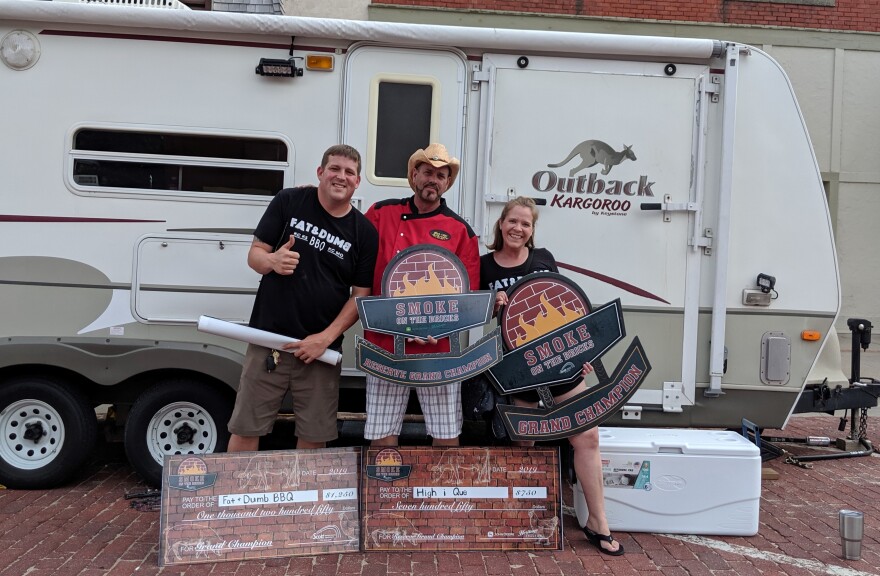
x=140, y=146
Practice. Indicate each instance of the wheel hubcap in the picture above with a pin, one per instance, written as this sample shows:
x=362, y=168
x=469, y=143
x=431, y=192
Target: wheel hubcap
x=185, y=434
x=181, y=428
x=34, y=431
x=33, y=434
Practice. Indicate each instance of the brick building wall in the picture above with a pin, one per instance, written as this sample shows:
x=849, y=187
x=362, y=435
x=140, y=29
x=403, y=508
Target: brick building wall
x=852, y=15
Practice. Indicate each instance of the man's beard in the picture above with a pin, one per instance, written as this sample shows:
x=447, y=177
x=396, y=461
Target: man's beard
x=429, y=193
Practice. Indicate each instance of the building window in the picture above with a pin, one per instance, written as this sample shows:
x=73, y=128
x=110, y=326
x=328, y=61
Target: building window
x=198, y=4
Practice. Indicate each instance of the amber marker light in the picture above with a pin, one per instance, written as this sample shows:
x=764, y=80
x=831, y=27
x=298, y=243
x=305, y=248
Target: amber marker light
x=319, y=62
x=811, y=335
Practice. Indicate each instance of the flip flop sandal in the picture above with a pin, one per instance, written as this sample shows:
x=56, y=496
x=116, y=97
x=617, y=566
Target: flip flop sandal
x=596, y=540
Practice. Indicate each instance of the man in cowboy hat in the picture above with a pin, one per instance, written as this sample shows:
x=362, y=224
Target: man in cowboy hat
x=423, y=218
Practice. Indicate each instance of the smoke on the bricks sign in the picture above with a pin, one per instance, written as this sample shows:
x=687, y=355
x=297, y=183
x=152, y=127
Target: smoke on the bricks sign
x=549, y=330
x=248, y=505
x=422, y=498
x=425, y=293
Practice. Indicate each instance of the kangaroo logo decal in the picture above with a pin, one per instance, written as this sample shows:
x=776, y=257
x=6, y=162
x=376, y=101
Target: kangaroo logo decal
x=594, y=152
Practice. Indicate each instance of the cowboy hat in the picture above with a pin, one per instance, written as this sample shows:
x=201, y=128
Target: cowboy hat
x=437, y=156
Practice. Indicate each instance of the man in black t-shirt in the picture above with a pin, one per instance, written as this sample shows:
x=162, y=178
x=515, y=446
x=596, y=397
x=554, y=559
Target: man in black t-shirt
x=316, y=254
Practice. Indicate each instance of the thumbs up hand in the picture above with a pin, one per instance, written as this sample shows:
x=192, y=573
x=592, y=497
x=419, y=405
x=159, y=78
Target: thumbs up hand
x=284, y=260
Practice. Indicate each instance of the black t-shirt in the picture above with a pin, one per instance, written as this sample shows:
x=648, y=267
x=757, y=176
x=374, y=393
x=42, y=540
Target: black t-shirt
x=335, y=254
x=495, y=277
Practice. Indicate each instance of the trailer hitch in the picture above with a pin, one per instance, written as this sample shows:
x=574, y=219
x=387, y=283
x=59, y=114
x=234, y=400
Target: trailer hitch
x=766, y=444
x=861, y=395
x=802, y=460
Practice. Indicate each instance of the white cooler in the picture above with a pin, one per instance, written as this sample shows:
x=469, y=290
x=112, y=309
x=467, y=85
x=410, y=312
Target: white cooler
x=678, y=481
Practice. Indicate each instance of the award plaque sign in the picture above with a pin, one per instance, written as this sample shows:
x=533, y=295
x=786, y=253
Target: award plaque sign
x=246, y=505
x=422, y=498
x=549, y=331
x=582, y=411
x=425, y=293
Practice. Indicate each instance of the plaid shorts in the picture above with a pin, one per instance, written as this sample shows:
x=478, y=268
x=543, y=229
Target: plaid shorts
x=386, y=404
x=314, y=388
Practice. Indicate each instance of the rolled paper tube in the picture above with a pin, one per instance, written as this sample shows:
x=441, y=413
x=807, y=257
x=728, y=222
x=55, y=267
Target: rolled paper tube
x=258, y=337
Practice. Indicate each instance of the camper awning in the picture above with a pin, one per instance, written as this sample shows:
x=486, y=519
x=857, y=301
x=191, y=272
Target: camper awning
x=486, y=39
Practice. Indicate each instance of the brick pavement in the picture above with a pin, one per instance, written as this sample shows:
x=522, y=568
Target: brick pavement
x=88, y=529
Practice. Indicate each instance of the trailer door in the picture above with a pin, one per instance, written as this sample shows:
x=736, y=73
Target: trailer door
x=592, y=141
x=396, y=101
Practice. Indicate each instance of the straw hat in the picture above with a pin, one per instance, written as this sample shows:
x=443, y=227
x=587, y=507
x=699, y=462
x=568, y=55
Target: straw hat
x=437, y=156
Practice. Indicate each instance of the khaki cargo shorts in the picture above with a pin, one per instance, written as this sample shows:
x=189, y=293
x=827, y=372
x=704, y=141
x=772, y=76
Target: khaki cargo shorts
x=314, y=388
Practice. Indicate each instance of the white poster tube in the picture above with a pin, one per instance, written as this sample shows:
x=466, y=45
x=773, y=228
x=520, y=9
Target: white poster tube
x=258, y=337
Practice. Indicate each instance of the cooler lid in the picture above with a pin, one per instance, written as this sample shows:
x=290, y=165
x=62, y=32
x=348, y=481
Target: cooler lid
x=675, y=441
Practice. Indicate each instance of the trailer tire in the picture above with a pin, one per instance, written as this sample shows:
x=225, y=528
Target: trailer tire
x=48, y=431
x=179, y=416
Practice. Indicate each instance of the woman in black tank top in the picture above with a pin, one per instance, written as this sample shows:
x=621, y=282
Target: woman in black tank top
x=513, y=256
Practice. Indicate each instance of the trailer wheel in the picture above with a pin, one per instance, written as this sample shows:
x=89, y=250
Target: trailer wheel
x=175, y=417
x=48, y=431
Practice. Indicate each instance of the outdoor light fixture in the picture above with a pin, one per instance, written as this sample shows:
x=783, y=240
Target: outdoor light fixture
x=278, y=67
x=319, y=62
x=766, y=283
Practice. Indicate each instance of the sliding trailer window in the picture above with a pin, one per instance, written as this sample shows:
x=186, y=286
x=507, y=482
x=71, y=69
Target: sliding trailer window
x=176, y=163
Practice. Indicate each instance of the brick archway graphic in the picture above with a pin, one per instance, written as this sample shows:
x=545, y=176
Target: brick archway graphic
x=537, y=307
x=422, y=270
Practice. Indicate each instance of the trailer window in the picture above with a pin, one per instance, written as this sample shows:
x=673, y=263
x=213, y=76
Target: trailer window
x=179, y=162
x=403, y=125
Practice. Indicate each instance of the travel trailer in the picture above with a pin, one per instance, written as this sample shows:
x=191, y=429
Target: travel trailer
x=140, y=146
